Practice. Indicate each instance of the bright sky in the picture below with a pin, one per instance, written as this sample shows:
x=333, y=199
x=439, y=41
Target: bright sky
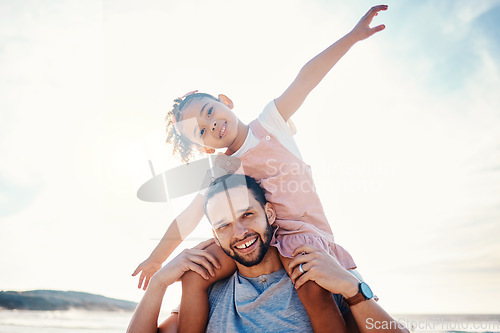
x=403, y=135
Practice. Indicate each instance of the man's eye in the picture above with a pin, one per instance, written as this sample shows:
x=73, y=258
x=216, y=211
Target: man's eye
x=221, y=227
x=247, y=214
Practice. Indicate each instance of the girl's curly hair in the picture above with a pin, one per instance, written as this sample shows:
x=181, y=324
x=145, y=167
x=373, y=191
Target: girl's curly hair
x=182, y=146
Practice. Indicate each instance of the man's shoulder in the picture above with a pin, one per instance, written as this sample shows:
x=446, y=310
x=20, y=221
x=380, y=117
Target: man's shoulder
x=220, y=288
x=222, y=284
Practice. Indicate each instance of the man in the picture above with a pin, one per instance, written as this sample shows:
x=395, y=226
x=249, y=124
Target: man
x=259, y=296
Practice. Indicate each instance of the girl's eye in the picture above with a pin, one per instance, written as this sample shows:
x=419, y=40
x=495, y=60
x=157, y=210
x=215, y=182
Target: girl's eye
x=202, y=131
x=210, y=111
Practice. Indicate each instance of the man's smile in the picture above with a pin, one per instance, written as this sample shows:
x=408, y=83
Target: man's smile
x=247, y=245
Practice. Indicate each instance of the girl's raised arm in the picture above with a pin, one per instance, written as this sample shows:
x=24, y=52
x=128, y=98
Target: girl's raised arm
x=316, y=69
x=188, y=219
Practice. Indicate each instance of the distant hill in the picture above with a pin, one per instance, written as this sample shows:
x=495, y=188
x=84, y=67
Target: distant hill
x=61, y=300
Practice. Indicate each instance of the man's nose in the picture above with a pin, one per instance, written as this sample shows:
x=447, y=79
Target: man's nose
x=240, y=230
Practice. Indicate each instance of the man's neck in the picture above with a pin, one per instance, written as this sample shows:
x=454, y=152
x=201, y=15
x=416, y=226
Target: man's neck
x=269, y=264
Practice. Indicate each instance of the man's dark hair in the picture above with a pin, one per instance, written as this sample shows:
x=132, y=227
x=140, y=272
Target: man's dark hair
x=226, y=182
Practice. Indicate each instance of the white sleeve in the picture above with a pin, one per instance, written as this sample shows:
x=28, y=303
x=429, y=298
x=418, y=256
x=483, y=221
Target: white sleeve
x=273, y=122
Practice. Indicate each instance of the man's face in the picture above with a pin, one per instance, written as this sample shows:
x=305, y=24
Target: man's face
x=241, y=225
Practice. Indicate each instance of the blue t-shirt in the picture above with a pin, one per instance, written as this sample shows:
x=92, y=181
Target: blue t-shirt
x=268, y=303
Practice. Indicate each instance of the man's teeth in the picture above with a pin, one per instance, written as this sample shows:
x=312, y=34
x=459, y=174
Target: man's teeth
x=247, y=244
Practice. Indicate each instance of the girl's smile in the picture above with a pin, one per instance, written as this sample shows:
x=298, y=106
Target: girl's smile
x=223, y=130
x=211, y=123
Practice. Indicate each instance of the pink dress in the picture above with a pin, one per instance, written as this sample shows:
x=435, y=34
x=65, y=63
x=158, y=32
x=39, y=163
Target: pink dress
x=289, y=186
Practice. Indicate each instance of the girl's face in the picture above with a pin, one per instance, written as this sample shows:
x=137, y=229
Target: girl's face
x=209, y=123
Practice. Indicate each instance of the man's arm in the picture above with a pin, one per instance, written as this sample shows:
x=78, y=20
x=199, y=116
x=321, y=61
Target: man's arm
x=325, y=270
x=145, y=318
x=316, y=69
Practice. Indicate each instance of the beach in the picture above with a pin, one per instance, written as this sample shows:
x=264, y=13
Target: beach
x=99, y=322
x=23, y=321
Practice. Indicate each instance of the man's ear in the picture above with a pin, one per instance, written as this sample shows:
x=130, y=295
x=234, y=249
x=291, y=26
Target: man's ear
x=215, y=237
x=270, y=212
x=226, y=100
x=206, y=150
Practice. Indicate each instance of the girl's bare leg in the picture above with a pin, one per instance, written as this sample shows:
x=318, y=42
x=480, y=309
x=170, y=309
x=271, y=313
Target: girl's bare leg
x=323, y=312
x=194, y=309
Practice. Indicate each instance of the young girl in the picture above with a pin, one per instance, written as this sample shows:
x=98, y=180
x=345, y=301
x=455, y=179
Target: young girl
x=264, y=150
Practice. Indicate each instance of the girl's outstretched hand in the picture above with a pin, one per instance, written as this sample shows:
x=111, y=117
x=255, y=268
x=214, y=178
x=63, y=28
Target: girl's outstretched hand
x=147, y=268
x=362, y=30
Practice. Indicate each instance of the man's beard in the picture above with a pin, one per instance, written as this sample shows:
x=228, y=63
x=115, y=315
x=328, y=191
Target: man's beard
x=265, y=243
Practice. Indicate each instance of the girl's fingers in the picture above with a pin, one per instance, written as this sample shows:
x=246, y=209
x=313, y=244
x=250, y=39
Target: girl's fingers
x=137, y=270
x=377, y=29
x=374, y=12
x=140, y=281
x=146, y=283
x=375, y=9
